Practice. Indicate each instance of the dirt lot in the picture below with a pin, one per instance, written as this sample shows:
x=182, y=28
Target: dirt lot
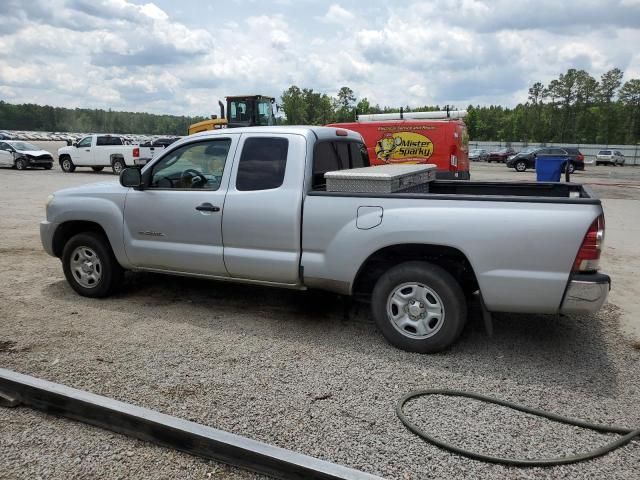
x=288, y=368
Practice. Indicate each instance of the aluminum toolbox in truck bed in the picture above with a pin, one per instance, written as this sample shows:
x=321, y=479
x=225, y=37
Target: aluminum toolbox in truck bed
x=382, y=179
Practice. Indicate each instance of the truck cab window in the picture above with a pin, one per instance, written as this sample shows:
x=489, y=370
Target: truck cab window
x=332, y=156
x=262, y=163
x=194, y=166
x=108, y=140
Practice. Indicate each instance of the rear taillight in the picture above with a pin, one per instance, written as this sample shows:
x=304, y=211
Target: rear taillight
x=588, y=258
x=581, y=158
x=453, y=159
x=136, y=152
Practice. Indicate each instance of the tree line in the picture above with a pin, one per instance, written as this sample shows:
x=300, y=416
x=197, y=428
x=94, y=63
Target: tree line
x=574, y=108
x=45, y=118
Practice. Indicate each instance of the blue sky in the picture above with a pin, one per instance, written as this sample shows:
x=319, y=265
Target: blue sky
x=180, y=57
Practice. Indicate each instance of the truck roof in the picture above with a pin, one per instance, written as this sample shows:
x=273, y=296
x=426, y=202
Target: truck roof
x=321, y=133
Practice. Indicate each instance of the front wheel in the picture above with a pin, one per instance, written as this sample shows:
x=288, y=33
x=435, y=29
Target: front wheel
x=521, y=166
x=21, y=164
x=90, y=266
x=419, y=307
x=572, y=167
x=67, y=165
x=48, y=166
x=118, y=165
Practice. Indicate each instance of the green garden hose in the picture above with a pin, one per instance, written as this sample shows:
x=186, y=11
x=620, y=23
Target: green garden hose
x=628, y=433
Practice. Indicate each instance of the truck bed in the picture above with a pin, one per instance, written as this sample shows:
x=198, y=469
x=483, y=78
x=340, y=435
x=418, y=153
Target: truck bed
x=536, y=192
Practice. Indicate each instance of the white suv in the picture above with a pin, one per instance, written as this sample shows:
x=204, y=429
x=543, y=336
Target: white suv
x=610, y=157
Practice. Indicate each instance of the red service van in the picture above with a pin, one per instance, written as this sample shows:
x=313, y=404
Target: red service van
x=417, y=137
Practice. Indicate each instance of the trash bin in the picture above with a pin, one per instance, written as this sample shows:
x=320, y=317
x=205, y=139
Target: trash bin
x=549, y=167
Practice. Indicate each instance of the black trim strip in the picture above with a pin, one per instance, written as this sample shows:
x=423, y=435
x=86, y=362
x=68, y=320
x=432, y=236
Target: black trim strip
x=168, y=431
x=583, y=199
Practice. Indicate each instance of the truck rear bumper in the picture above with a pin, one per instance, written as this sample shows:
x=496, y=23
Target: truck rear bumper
x=586, y=293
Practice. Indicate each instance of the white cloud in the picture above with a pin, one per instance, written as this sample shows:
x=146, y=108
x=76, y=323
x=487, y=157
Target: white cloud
x=123, y=55
x=338, y=14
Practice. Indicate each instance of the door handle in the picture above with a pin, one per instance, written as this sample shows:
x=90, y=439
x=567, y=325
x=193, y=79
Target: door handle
x=207, y=207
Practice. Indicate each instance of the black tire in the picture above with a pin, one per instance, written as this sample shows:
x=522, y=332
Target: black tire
x=21, y=164
x=110, y=272
x=572, y=167
x=118, y=165
x=66, y=164
x=48, y=166
x=449, y=295
x=97, y=169
x=520, y=166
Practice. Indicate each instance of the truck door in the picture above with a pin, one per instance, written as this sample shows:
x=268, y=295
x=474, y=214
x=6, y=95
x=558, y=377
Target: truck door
x=261, y=224
x=175, y=224
x=82, y=155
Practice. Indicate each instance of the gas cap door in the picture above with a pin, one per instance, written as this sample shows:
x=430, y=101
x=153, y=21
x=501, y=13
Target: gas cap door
x=369, y=217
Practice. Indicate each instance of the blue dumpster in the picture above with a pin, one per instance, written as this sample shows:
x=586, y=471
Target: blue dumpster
x=549, y=167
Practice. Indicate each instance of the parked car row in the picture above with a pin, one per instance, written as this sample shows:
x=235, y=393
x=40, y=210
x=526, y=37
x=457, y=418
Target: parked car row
x=129, y=139
x=526, y=159
x=94, y=151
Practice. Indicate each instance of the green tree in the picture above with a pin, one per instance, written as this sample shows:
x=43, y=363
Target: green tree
x=294, y=106
x=630, y=99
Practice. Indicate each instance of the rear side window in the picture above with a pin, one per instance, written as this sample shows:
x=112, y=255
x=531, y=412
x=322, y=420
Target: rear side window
x=101, y=141
x=262, y=164
x=332, y=156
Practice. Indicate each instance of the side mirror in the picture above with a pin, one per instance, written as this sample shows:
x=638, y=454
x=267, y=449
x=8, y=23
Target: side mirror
x=131, y=177
x=75, y=144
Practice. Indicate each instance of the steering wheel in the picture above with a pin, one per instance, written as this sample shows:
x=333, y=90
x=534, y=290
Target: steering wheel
x=193, y=177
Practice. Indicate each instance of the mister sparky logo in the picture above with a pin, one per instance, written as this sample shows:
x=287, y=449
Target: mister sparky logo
x=404, y=147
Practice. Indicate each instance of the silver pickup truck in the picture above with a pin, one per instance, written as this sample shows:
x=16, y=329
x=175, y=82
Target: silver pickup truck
x=251, y=205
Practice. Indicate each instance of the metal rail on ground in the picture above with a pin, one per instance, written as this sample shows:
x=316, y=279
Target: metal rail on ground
x=144, y=424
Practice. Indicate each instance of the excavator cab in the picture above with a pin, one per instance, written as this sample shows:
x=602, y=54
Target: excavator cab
x=250, y=111
x=243, y=111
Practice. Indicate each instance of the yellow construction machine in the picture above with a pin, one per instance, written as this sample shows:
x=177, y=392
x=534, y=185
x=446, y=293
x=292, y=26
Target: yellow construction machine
x=243, y=111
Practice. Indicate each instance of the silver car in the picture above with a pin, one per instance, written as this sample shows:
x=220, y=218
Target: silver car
x=610, y=157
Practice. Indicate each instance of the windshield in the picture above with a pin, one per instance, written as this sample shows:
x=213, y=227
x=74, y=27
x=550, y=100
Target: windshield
x=24, y=146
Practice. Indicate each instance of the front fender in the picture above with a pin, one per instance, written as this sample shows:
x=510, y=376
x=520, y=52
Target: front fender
x=105, y=212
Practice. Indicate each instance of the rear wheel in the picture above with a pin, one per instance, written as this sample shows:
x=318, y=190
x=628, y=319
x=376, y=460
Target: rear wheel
x=90, y=266
x=97, y=169
x=118, y=165
x=48, y=166
x=419, y=307
x=521, y=166
x=67, y=165
x=21, y=164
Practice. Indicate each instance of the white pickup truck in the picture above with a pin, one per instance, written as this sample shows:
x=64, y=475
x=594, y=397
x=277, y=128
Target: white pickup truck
x=97, y=152
x=259, y=205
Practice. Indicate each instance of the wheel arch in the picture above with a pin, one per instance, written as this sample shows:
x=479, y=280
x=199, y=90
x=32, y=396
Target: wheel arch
x=116, y=156
x=450, y=259
x=68, y=229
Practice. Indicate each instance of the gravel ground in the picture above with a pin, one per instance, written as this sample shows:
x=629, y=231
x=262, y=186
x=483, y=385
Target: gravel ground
x=288, y=368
